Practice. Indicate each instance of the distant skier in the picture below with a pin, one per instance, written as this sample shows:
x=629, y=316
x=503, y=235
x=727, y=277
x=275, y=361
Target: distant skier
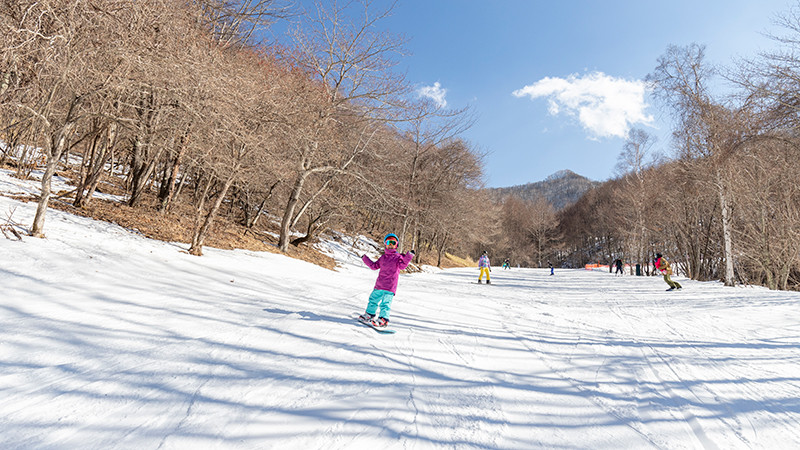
x=618, y=265
x=390, y=264
x=552, y=270
x=663, y=266
x=506, y=264
x=485, y=267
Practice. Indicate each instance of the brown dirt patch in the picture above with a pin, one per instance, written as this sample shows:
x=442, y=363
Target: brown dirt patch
x=177, y=225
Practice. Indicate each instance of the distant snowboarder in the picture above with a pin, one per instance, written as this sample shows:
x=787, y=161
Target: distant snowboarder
x=665, y=268
x=390, y=264
x=506, y=264
x=485, y=267
x=552, y=270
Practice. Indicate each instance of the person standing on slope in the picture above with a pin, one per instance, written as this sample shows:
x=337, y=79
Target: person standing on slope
x=485, y=267
x=665, y=268
x=389, y=265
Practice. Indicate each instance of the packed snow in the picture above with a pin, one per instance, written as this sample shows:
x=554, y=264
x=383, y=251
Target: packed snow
x=111, y=340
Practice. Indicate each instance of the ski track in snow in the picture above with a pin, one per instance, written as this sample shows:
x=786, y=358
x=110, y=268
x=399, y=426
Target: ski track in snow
x=109, y=340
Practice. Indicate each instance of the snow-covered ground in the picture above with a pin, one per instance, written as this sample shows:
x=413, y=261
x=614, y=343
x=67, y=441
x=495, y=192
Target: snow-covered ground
x=111, y=340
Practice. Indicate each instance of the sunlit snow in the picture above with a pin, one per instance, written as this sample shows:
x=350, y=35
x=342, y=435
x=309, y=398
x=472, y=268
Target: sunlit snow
x=112, y=340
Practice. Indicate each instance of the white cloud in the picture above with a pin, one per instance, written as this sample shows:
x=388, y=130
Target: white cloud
x=604, y=105
x=435, y=93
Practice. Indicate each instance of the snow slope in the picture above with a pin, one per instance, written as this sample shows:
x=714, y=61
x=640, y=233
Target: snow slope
x=111, y=340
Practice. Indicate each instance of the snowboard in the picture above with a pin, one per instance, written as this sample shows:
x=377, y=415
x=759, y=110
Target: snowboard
x=379, y=330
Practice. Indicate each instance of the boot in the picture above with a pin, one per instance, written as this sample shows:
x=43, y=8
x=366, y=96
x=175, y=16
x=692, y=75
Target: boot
x=380, y=322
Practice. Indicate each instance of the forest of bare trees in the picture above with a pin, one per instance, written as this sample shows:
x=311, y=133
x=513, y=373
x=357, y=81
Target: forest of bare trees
x=727, y=206
x=182, y=105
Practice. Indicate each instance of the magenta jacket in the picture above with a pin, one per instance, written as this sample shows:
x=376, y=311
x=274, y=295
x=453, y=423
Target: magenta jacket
x=390, y=265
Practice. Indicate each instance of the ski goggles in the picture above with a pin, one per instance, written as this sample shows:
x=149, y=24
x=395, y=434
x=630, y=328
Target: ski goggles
x=391, y=242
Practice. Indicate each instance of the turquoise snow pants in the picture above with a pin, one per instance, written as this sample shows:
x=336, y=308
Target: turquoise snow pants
x=380, y=299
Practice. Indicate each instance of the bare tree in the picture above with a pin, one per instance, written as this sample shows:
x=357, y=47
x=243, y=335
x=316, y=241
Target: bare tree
x=768, y=222
x=235, y=22
x=542, y=223
x=53, y=47
x=351, y=62
x=681, y=79
x=242, y=129
x=101, y=142
x=588, y=227
x=428, y=126
x=454, y=212
x=634, y=197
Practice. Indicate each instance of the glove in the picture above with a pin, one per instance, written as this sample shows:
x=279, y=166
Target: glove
x=412, y=252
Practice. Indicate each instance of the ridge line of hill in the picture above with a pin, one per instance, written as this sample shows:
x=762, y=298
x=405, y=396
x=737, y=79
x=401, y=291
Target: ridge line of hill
x=561, y=189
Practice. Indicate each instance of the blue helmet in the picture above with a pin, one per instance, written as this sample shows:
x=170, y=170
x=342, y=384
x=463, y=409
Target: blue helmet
x=390, y=235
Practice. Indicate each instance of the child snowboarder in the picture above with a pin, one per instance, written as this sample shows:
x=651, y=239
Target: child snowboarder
x=485, y=266
x=665, y=268
x=390, y=264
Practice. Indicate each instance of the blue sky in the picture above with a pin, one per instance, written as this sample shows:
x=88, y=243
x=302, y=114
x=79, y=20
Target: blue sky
x=556, y=84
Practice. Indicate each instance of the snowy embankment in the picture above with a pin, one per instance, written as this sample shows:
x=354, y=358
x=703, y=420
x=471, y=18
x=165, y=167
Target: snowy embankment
x=111, y=340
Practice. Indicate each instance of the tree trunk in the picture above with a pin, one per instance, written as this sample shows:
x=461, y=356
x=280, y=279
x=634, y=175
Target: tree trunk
x=310, y=200
x=141, y=172
x=288, y=213
x=144, y=157
x=404, y=227
x=441, y=251
x=411, y=197
x=41, y=209
x=252, y=219
x=53, y=157
x=167, y=192
x=727, y=238
x=101, y=154
x=314, y=225
x=6, y=82
x=200, y=233
x=89, y=156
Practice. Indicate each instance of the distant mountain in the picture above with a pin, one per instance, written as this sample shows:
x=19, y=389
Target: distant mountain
x=561, y=189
